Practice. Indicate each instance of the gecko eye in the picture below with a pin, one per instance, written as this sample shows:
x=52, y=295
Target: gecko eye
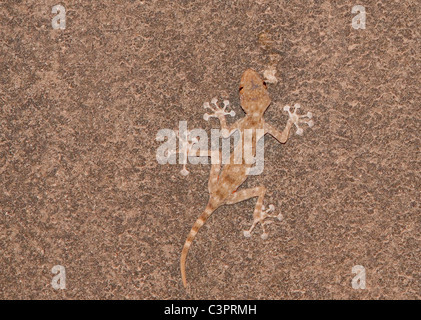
x=265, y=85
x=241, y=88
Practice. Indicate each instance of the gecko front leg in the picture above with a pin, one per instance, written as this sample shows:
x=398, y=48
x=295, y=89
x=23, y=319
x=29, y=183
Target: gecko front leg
x=220, y=113
x=297, y=119
x=294, y=119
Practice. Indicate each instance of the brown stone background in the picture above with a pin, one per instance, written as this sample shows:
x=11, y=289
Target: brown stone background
x=81, y=187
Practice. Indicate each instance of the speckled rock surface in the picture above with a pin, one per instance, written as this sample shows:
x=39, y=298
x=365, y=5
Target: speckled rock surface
x=80, y=185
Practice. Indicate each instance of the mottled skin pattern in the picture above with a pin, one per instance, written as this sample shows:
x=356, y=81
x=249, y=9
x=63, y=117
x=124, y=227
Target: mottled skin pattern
x=223, y=185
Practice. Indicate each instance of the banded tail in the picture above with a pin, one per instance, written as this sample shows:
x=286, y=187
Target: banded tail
x=197, y=225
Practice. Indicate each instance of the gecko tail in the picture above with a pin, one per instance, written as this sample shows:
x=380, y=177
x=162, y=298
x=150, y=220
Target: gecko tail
x=197, y=225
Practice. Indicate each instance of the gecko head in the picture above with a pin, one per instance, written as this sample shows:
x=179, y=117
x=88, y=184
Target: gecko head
x=254, y=96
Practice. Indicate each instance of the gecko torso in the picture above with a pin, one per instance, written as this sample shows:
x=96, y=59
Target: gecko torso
x=223, y=184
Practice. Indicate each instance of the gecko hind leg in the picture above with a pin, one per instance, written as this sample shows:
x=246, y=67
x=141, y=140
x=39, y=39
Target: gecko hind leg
x=260, y=213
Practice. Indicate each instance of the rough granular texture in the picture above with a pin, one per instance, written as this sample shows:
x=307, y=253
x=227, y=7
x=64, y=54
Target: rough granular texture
x=81, y=186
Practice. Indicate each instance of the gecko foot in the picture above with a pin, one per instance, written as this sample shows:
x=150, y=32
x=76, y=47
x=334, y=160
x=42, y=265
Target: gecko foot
x=297, y=119
x=216, y=109
x=260, y=217
x=185, y=147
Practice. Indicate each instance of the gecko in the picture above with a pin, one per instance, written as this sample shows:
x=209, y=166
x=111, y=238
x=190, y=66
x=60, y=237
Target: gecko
x=223, y=183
